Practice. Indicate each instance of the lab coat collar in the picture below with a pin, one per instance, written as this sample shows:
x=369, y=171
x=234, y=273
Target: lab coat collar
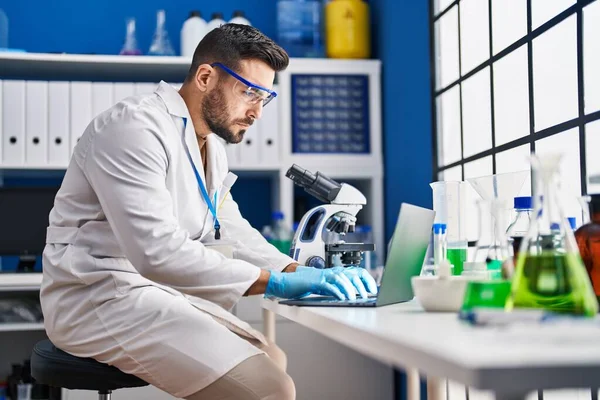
x=177, y=107
x=173, y=100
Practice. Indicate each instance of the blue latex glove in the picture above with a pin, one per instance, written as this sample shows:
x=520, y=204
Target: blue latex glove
x=308, y=280
x=361, y=279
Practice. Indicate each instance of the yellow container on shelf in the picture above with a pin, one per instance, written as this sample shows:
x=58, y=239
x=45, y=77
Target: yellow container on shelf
x=347, y=29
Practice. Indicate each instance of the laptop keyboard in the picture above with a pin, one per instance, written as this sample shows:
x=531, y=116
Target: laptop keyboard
x=359, y=300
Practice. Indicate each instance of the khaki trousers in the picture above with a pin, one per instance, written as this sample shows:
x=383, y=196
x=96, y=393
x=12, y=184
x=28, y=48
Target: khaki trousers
x=261, y=377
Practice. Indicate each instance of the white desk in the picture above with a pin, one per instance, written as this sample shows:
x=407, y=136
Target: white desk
x=510, y=362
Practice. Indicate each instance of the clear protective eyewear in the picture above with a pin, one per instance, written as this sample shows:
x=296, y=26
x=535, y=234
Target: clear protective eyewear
x=248, y=91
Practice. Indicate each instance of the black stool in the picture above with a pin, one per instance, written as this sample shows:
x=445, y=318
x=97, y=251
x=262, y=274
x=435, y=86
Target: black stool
x=53, y=367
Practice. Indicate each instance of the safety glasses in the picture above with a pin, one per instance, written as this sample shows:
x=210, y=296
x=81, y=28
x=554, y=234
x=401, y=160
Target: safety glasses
x=248, y=91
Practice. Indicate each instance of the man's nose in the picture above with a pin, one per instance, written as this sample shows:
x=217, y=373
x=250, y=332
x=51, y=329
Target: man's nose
x=256, y=111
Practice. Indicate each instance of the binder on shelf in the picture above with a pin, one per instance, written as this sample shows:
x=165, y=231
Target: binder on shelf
x=249, y=146
x=81, y=110
x=58, y=123
x=102, y=97
x=36, y=122
x=268, y=126
x=123, y=90
x=13, y=110
x=145, y=87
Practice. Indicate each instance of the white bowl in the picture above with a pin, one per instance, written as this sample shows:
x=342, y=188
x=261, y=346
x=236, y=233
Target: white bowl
x=440, y=295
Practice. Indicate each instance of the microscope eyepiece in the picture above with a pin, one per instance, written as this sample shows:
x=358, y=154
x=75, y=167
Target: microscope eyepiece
x=318, y=185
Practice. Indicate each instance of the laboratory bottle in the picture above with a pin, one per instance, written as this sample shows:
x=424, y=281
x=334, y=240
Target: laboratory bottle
x=520, y=224
x=25, y=384
x=193, y=30
x=239, y=18
x=215, y=21
x=282, y=234
x=550, y=273
x=267, y=233
x=572, y=223
x=13, y=380
x=347, y=29
x=161, y=44
x=130, y=46
x=588, y=241
x=299, y=27
x=3, y=30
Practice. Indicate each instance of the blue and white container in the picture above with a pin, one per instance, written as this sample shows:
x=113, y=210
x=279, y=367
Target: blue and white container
x=300, y=27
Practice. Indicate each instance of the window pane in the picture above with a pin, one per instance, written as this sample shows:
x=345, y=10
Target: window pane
x=446, y=29
x=591, y=56
x=511, y=96
x=566, y=143
x=451, y=174
x=474, y=34
x=509, y=22
x=515, y=160
x=475, y=169
x=545, y=10
x=448, y=119
x=477, y=124
x=440, y=5
x=592, y=145
x=555, y=75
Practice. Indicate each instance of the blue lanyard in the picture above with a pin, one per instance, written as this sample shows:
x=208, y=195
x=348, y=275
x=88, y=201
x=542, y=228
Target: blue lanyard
x=212, y=206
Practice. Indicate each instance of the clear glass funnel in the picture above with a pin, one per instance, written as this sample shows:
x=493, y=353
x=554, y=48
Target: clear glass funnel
x=500, y=186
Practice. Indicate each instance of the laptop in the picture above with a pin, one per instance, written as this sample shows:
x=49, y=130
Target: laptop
x=405, y=260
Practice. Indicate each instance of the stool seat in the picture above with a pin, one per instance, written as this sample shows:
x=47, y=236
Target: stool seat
x=52, y=366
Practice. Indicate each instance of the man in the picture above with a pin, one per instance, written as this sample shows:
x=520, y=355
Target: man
x=131, y=274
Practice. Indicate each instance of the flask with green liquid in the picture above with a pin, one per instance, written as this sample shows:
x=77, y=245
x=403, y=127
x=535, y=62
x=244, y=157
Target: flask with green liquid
x=549, y=271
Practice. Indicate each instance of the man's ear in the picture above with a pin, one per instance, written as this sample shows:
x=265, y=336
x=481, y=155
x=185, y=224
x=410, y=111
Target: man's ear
x=205, y=77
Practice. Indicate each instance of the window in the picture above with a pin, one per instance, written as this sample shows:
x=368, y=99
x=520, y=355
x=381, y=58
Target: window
x=516, y=76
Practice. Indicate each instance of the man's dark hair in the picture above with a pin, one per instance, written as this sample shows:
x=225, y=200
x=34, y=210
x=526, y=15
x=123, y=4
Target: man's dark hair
x=232, y=43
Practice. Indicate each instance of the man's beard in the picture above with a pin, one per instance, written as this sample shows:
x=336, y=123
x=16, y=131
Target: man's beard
x=214, y=112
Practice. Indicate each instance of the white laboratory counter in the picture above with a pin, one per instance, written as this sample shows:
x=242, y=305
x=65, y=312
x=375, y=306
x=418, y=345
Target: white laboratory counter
x=511, y=361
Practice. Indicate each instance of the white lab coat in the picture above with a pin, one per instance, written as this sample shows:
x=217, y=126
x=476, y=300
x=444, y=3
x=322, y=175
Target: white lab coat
x=128, y=278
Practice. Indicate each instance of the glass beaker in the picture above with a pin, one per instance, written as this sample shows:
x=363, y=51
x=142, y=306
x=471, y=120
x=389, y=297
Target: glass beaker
x=550, y=273
x=449, y=204
x=492, y=244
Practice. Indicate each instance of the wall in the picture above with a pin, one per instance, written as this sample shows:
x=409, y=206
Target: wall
x=401, y=39
x=98, y=27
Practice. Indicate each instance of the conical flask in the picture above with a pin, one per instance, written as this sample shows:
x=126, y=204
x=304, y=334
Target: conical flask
x=130, y=46
x=161, y=45
x=550, y=273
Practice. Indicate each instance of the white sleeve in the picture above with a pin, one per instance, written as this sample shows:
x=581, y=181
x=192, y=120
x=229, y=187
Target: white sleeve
x=249, y=244
x=126, y=165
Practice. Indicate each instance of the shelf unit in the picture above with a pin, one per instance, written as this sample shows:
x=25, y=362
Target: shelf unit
x=19, y=327
x=73, y=67
x=363, y=170
x=20, y=282
x=367, y=168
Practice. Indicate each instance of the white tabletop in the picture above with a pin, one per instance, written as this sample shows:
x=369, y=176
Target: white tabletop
x=520, y=357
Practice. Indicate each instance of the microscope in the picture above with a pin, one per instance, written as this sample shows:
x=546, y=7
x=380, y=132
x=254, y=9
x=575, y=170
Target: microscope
x=339, y=216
